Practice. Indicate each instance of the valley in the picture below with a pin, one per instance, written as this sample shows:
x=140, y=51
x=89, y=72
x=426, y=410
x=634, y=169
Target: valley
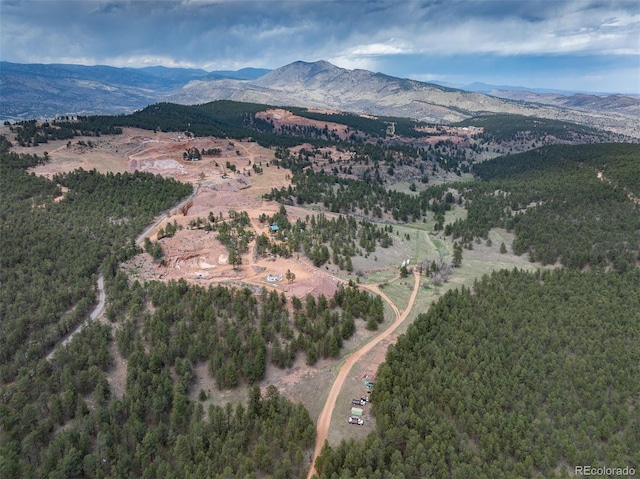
x=303, y=251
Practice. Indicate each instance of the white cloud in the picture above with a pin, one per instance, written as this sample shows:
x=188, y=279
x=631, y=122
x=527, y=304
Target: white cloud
x=569, y=28
x=428, y=77
x=136, y=61
x=376, y=49
x=354, y=62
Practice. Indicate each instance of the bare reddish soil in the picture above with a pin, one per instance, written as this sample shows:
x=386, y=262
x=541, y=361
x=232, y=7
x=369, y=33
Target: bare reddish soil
x=199, y=258
x=281, y=117
x=194, y=254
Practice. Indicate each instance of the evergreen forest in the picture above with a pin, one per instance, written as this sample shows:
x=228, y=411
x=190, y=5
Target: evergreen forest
x=53, y=245
x=522, y=374
x=61, y=418
x=525, y=374
x=573, y=204
x=237, y=332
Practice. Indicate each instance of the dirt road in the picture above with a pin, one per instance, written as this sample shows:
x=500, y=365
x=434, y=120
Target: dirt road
x=162, y=216
x=97, y=311
x=324, y=421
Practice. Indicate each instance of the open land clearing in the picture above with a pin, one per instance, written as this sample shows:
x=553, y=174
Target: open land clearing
x=198, y=257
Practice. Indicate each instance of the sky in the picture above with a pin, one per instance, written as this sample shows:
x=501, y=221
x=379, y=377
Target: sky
x=575, y=45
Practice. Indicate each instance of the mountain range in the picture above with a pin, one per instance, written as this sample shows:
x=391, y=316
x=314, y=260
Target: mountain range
x=46, y=91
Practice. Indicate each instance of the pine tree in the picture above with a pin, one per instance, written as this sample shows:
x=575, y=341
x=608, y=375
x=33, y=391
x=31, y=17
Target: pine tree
x=457, y=255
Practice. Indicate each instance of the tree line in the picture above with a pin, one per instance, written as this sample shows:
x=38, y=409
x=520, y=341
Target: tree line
x=344, y=195
x=62, y=418
x=52, y=250
x=557, y=204
x=238, y=332
x=523, y=375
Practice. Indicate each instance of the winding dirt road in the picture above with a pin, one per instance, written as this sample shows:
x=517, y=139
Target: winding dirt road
x=97, y=311
x=324, y=421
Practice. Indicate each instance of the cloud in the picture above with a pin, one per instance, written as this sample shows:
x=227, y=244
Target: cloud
x=375, y=49
x=211, y=28
x=226, y=34
x=353, y=63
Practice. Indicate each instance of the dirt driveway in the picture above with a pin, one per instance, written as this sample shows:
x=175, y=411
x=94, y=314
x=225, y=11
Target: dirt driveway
x=324, y=421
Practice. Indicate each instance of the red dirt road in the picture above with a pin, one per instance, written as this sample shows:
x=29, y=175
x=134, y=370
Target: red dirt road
x=324, y=421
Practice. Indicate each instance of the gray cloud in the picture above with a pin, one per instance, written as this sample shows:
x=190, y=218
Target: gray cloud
x=233, y=34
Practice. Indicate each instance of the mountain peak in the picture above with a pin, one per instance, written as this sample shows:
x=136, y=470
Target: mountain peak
x=301, y=73
x=318, y=64
x=310, y=68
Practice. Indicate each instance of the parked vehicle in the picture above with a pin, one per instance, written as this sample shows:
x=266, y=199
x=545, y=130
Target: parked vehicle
x=358, y=402
x=356, y=420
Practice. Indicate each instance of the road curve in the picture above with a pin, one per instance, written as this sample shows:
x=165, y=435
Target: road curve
x=97, y=311
x=324, y=420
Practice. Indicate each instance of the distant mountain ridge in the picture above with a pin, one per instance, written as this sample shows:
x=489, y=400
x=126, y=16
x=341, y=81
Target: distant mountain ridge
x=47, y=90
x=37, y=91
x=481, y=87
x=323, y=85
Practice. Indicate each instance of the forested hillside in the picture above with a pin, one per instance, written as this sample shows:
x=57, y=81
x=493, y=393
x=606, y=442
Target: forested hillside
x=62, y=421
x=524, y=375
x=397, y=143
x=236, y=331
x=578, y=204
x=52, y=245
x=365, y=198
x=59, y=417
x=508, y=127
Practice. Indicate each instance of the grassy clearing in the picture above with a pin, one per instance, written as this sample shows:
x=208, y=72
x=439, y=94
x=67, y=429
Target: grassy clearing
x=419, y=245
x=456, y=213
x=450, y=177
x=434, y=180
x=404, y=187
x=411, y=242
x=500, y=235
x=424, y=299
x=381, y=277
x=441, y=247
x=399, y=291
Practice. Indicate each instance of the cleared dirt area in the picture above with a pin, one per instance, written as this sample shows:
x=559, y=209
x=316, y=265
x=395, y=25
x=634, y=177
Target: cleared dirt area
x=158, y=153
x=227, y=181
x=284, y=118
x=194, y=254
